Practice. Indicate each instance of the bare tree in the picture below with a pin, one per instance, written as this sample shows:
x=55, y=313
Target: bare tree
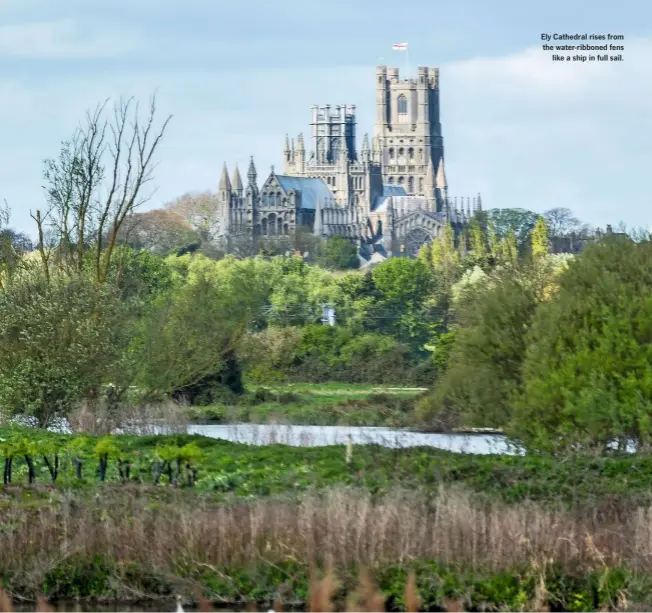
x=562, y=222
x=200, y=210
x=161, y=231
x=96, y=183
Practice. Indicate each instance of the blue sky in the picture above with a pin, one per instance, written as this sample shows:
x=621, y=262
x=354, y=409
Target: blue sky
x=237, y=76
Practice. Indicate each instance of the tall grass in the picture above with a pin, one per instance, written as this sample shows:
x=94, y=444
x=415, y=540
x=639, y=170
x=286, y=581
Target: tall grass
x=345, y=527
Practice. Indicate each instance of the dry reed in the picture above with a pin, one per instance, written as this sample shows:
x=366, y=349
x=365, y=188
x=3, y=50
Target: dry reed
x=6, y=605
x=344, y=527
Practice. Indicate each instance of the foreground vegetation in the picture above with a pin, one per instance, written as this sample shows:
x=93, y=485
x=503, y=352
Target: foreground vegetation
x=128, y=542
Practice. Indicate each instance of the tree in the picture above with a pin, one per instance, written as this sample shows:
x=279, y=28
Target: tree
x=477, y=239
x=403, y=286
x=160, y=231
x=487, y=354
x=200, y=210
x=519, y=221
x=508, y=249
x=187, y=345
x=96, y=184
x=339, y=253
x=562, y=222
x=540, y=239
x=10, y=251
x=587, y=373
x=61, y=339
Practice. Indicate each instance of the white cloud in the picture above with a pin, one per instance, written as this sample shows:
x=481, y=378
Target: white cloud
x=61, y=39
x=535, y=133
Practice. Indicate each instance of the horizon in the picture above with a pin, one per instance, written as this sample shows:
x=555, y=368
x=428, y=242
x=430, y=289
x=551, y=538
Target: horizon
x=520, y=129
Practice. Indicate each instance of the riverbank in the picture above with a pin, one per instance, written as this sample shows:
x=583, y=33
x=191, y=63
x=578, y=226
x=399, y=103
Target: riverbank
x=223, y=468
x=325, y=404
x=144, y=542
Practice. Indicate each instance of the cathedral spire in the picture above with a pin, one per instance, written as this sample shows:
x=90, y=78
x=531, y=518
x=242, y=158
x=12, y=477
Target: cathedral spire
x=441, y=176
x=251, y=173
x=237, y=180
x=365, y=143
x=225, y=184
x=300, y=145
x=478, y=203
x=286, y=149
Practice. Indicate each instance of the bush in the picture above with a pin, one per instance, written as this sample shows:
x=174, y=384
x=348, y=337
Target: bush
x=61, y=339
x=339, y=253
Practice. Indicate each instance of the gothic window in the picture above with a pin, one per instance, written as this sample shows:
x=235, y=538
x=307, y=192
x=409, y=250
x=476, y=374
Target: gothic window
x=410, y=185
x=390, y=181
x=263, y=225
x=335, y=149
x=401, y=152
x=411, y=154
x=286, y=229
x=278, y=198
x=279, y=226
x=420, y=158
x=334, y=181
x=272, y=224
x=402, y=105
x=401, y=180
x=391, y=153
x=421, y=185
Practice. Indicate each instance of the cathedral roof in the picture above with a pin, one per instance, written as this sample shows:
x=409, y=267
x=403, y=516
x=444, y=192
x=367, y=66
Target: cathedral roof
x=312, y=190
x=388, y=190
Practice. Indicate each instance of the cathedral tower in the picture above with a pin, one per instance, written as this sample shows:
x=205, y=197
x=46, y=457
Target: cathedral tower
x=408, y=131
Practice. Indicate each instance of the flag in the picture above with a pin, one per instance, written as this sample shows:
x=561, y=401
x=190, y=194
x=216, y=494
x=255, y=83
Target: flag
x=399, y=47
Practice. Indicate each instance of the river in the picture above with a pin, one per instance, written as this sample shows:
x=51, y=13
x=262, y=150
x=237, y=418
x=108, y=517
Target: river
x=321, y=436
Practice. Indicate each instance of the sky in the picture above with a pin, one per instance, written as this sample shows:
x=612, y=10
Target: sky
x=520, y=129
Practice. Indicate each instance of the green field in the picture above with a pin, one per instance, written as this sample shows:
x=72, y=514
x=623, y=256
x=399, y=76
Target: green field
x=315, y=404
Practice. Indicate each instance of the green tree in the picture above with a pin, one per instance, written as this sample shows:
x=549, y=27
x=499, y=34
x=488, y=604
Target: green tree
x=477, y=239
x=519, y=221
x=403, y=286
x=587, y=374
x=339, y=253
x=60, y=341
x=486, y=357
x=540, y=239
x=508, y=249
x=187, y=345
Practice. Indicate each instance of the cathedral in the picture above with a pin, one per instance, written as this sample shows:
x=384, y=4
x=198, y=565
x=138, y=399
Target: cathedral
x=390, y=197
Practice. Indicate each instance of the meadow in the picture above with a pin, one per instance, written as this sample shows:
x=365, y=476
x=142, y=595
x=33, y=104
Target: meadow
x=326, y=404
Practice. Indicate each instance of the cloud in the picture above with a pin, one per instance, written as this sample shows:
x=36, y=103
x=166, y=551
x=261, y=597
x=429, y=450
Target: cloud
x=535, y=133
x=62, y=39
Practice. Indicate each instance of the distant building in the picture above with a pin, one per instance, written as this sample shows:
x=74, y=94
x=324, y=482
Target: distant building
x=390, y=197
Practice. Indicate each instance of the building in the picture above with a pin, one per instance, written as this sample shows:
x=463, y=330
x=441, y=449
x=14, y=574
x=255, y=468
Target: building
x=390, y=197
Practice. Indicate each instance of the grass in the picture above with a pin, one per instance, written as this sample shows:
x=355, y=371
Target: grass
x=315, y=404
